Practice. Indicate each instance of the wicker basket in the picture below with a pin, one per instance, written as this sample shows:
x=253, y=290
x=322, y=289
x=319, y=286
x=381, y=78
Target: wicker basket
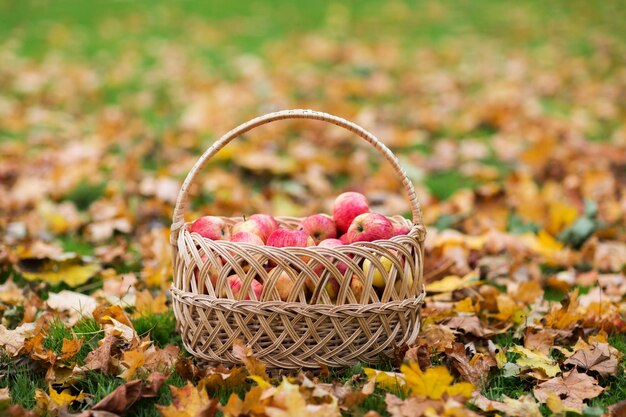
x=311, y=328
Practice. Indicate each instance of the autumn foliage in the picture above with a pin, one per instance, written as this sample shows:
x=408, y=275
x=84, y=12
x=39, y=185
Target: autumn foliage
x=512, y=130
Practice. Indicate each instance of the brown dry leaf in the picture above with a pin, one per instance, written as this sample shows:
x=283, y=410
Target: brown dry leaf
x=618, y=409
x=254, y=366
x=436, y=336
x=189, y=401
x=600, y=358
x=124, y=396
x=411, y=407
x=252, y=404
x=228, y=379
x=163, y=360
x=475, y=370
x=12, y=341
x=101, y=358
x=573, y=388
x=567, y=316
x=472, y=325
x=540, y=342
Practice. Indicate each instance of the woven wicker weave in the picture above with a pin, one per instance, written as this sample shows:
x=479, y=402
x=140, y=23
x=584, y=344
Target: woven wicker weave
x=310, y=329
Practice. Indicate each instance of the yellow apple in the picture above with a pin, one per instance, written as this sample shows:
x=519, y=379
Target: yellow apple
x=377, y=277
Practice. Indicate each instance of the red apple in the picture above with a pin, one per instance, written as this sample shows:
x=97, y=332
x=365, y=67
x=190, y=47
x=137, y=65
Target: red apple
x=235, y=283
x=399, y=226
x=368, y=227
x=319, y=227
x=283, y=284
x=212, y=272
x=357, y=286
x=211, y=227
x=333, y=243
x=282, y=238
x=261, y=225
x=346, y=207
x=344, y=239
x=247, y=237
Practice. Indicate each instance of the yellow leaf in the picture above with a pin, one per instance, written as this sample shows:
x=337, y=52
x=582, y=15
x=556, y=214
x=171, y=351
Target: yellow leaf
x=68, y=268
x=187, y=401
x=146, y=304
x=65, y=397
x=260, y=381
x=433, y=383
x=561, y=216
x=288, y=401
x=453, y=283
x=133, y=360
x=70, y=348
x=464, y=306
x=535, y=360
x=386, y=380
x=252, y=364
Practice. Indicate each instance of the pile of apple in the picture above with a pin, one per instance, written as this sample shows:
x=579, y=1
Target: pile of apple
x=352, y=221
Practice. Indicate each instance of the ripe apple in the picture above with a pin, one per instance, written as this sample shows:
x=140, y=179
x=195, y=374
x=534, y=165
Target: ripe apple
x=347, y=206
x=247, y=237
x=369, y=227
x=344, y=239
x=357, y=286
x=332, y=243
x=408, y=281
x=377, y=277
x=212, y=272
x=261, y=225
x=235, y=283
x=282, y=238
x=211, y=227
x=283, y=284
x=319, y=227
x=399, y=226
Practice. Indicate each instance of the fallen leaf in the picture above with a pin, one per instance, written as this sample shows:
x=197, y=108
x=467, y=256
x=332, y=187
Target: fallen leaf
x=541, y=342
x=12, y=341
x=433, y=383
x=598, y=358
x=100, y=358
x=386, y=380
x=146, y=304
x=124, y=396
x=252, y=364
x=573, y=388
x=536, y=361
x=68, y=268
x=411, y=407
x=475, y=370
x=453, y=283
x=77, y=305
x=524, y=406
x=189, y=401
x=133, y=360
x=70, y=348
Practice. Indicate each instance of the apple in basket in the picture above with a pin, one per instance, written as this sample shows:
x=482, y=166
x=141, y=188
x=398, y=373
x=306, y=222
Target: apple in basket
x=319, y=227
x=211, y=227
x=236, y=283
x=378, y=280
x=212, y=273
x=283, y=284
x=261, y=225
x=369, y=227
x=399, y=226
x=247, y=237
x=346, y=207
x=332, y=286
x=357, y=286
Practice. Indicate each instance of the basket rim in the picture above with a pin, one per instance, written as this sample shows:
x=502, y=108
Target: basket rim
x=229, y=304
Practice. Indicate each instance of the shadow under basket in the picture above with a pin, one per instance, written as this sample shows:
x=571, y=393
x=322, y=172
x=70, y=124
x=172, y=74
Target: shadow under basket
x=332, y=307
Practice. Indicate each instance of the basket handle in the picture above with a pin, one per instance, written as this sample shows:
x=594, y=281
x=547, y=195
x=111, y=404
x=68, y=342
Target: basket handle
x=181, y=202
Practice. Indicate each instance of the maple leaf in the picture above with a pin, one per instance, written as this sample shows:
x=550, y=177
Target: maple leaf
x=433, y=383
x=133, y=360
x=70, y=348
x=100, y=358
x=253, y=365
x=146, y=304
x=77, y=305
x=287, y=401
x=65, y=397
x=12, y=341
x=189, y=401
x=475, y=370
x=573, y=388
x=597, y=358
x=535, y=360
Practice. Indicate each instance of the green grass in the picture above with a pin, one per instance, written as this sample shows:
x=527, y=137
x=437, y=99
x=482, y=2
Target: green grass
x=160, y=327
x=444, y=184
x=86, y=329
x=85, y=193
x=22, y=381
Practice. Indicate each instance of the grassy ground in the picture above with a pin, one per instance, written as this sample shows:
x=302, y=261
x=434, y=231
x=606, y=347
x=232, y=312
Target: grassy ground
x=209, y=40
